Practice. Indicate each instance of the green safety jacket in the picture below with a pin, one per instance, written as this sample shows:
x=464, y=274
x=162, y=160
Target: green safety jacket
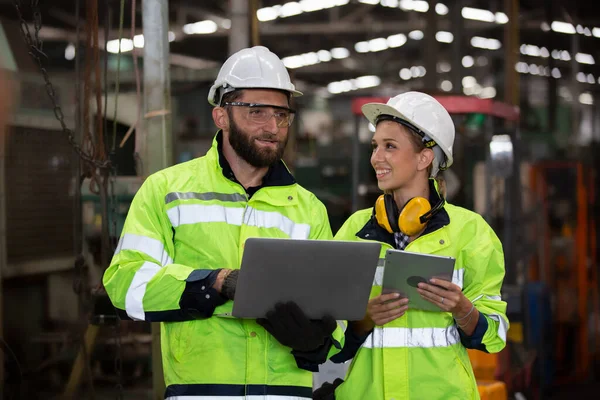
x=185, y=222
x=422, y=355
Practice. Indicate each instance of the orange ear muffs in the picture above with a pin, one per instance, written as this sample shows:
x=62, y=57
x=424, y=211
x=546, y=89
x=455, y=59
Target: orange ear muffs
x=411, y=220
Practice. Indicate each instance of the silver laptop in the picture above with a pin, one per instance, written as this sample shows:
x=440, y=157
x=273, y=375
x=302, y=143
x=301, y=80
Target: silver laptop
x=404, y=270
x=322, y=277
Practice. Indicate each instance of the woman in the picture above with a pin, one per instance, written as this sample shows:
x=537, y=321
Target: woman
x=409, y=353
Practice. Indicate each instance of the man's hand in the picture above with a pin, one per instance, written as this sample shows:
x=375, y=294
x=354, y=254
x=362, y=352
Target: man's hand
x=292, y=328
x=218, y=285
x=226, y=282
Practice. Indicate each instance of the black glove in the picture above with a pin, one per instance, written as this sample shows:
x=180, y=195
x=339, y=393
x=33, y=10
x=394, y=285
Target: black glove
x=327, y=390
x=292, y=328
x=229, y=284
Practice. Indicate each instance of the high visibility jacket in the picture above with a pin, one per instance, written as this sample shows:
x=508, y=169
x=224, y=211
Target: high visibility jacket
x=422, y=354
x=191, y=217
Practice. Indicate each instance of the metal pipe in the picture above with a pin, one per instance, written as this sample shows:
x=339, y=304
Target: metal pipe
x=355, y=162
x=157, y=86
x=157, y=143
x=457, y=24
x=239, y=34
x=431, y=49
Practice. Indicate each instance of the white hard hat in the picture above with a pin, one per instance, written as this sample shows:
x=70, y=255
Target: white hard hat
x=427, y=115
x=251, y=68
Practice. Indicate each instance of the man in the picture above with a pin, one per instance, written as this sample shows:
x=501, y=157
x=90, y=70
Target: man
x=182, y=243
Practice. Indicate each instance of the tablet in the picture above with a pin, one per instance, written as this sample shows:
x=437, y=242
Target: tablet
x=404, y=270
x=324, y=277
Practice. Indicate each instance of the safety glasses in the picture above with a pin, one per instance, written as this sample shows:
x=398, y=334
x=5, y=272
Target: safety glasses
x=261, y=113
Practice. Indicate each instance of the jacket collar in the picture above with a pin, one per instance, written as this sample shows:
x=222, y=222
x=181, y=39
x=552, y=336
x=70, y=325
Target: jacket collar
x=373, y=231
x=277, y=175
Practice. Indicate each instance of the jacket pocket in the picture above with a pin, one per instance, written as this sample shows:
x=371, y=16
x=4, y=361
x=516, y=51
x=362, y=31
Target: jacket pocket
x=467, y=378
x=179, y=337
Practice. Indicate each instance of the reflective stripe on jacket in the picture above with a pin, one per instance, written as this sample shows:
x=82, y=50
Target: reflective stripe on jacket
x=421, y=355
x=191, y=217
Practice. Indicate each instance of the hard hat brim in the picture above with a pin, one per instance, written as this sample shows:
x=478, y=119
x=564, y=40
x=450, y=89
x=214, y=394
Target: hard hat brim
x=373, y=110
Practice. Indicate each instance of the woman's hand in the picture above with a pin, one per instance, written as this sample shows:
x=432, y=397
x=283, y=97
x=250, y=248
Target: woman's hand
x=446, y=295
x=381, y=310
x=387, y=307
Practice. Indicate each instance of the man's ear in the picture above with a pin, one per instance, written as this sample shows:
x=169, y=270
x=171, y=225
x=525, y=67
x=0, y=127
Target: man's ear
x=425, y=159
x=220, y=118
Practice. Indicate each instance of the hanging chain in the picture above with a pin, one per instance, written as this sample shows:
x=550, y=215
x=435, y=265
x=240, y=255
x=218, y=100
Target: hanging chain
x=97, y=168
x=35, y=50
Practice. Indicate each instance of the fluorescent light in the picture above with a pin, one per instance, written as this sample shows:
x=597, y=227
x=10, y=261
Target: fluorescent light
x=561, y=55
x=310, y=58
x=405, y=74
x=469, y=81
x=390, y=3
x=201, y=28
x=545, y=27
x=581, y=77
x=70, y=51
x=367, y=81
x=533, y=69
x=293, y=62
x=444, y=66
x=138, y=41
x=362, y=82
x=369, y=1
x=396, y=40
x=416, y=35
x=267, y=14
x=501, y=18
x=444, y=37
x=586, y=98
x=485, y=43
x=112, y=46
x=446, y=86
x=290, y=9
x=488, y=93
x=467, y=61
x=340, y=52
x=378, y=44
x=441, y=9
x=590, y=79
x=414, y=5
x=596, y=32
x=362, y=47
x=584, y=58
x=478, y=14
x=562, y=27
x=521, y=67
x=297, y=7
x=544, y=52
x=416, y=71
x=556, y=73
x=324, y=55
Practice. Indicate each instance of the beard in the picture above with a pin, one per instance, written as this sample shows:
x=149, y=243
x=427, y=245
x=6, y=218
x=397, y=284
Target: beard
x=245, y=146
